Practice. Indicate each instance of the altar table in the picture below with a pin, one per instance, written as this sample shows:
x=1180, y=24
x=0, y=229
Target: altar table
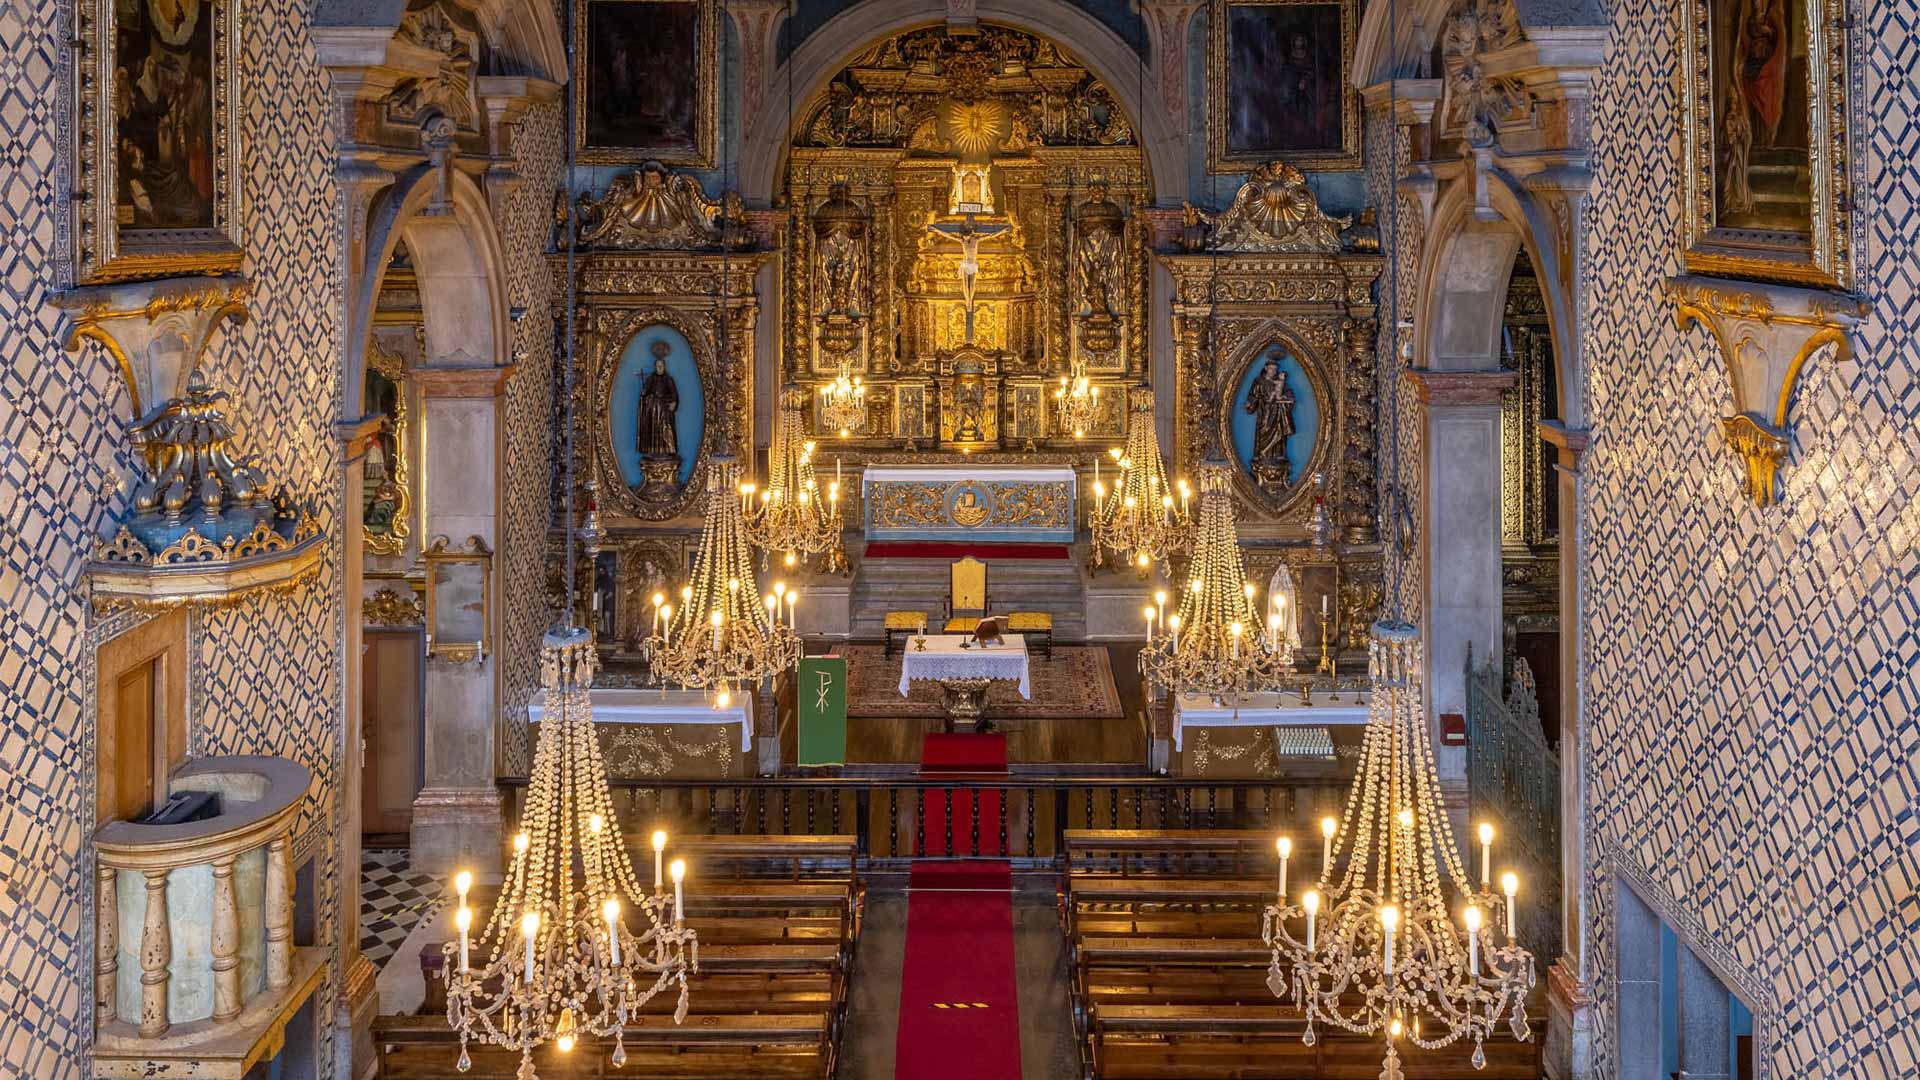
x=967, y=502
x=964, y=674
x=1263, y=710
x=644, y=734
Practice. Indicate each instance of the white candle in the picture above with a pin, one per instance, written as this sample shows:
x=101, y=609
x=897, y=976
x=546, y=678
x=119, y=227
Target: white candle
x=1173, y=621
x=463, y=921
x=1486, y=854
x=1160, y=605
x=1147, y=612
x=611, y=909
x=1509, y=884
x=1328, y=827
x=793, y=621
x=717, y=618
x=659, y=852
x=678, y=871
x=1235, y=630
x=1284, y=845
x=1312, y=903
x=1389, y=922
x=1472, y=916
x=836, y=471
x=530, y=927
x=666, y=624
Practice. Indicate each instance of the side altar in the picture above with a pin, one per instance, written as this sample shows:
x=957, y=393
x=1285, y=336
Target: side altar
x=1034, y=504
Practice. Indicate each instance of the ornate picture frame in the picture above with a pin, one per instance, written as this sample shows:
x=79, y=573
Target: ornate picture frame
x=459, y=599
x=1277, y=50
x=680, y=39
x=387, y=503
x=611, y=329
x=1748, y=103
x=156, y=148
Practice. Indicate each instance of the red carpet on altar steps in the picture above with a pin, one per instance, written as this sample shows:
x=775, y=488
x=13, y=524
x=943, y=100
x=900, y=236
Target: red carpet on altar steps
x=970, y=756
x=959, y=1010
x=927, y=549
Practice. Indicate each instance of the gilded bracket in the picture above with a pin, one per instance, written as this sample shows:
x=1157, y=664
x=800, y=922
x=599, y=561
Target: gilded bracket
x=155, y=330
x=1766, y=333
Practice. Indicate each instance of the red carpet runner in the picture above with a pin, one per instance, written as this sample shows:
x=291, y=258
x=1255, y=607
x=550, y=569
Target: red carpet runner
x=959, y=1014
x=974, y=757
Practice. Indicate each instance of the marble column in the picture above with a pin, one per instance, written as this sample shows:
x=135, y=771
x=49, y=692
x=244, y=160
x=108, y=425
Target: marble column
x=457, y=817
x=156, y=953
x=1460, y=542
x=106, y=946
x=226, y=942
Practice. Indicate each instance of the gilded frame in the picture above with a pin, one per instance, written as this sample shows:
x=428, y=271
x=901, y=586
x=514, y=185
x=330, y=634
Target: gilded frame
x=1821, y=256
x=706, y=112
x=102, y=250
x=471, y=570
x=612, y=329
x=1222, y=159
x=393, y=367
x=1247, y=352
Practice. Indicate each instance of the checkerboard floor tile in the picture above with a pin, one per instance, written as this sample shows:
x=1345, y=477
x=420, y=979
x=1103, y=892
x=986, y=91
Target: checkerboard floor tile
x=393, y=899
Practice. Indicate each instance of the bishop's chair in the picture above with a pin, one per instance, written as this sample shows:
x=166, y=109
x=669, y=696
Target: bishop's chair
x=967, y=596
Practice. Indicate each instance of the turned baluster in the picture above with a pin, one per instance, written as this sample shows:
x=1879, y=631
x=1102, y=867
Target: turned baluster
x=107, y=945
x=226, y=942
x=279, y=916
x=156, y=952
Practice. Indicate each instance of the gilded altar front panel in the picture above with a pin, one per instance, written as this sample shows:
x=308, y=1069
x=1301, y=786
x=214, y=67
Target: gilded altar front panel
x=957, y=504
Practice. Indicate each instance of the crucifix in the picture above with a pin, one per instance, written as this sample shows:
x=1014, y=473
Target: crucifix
x=968, y=234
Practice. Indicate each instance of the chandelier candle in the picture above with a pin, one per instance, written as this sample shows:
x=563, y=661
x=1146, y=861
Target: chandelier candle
x=1284, y=847
x=659, y=852
x=1486, y=853
x=792, y=518
x=1139, y=524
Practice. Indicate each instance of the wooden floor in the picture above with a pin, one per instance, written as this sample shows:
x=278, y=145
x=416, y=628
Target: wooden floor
x=1054, y=746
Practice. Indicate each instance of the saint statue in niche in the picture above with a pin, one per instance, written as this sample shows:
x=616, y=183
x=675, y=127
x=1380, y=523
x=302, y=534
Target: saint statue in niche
x=1270, y=401
x=659, y=400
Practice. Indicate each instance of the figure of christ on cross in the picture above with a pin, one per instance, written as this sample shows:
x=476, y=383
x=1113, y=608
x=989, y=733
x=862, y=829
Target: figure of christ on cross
x=968, y=234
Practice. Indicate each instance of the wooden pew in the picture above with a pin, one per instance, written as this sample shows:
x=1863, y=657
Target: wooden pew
x=709, y=1046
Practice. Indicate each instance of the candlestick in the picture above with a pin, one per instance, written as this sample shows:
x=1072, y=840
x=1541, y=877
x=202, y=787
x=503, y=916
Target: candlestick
x=1311, y=902
x=530, y=928
x=1326, y=661
x=1284, y=846
x=1486, y=853
x=1472, y=916
x=611, y=909
x=659, y=852
x=463, y=921
x=1509, y=884
x=678, y=871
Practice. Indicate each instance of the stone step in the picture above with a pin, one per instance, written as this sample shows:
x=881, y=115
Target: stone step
x=1054, y=586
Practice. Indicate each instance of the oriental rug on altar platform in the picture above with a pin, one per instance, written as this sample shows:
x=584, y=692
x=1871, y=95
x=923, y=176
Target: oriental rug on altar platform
x=1076, y=683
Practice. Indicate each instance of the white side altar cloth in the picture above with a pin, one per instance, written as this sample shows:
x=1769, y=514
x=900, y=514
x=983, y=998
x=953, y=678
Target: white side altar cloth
x=943, y=658
x=612, y=706
x=1260, y=710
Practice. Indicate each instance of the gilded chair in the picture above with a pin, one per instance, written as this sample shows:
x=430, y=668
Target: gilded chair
x=967, y=596
x=900, y=626
x=1037, y=627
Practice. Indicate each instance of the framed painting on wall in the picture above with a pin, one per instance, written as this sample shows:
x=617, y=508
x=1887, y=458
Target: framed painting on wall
x=1767, y=165
x=1277, y=84
x=644, y=85
x=157, y=140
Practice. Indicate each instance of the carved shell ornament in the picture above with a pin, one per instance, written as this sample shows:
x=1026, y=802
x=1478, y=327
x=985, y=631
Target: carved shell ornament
x=1275, y=211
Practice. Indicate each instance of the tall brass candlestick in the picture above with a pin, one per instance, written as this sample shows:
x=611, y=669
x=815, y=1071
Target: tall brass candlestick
x=1326, y=661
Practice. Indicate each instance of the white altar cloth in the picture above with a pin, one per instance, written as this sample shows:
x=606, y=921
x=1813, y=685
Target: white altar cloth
x=943, y=658
x=1262, y=710
x=612, y=706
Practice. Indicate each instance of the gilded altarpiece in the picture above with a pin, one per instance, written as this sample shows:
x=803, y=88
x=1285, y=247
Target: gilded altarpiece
x=665, y=327
x=962, y=233
x=1273, y=320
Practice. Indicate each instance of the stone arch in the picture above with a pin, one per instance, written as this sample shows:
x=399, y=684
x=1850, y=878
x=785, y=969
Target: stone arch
x=1472, y=237
x=825, y=51
x=460, y=263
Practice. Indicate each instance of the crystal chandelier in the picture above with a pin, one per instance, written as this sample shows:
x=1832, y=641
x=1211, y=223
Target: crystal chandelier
x=843, y=402
x=1148, y=518
x=1077, y=399
x=1216, y=643
x=724, y=633
x=556, y=962
x=1374, y=947
x=791, y=515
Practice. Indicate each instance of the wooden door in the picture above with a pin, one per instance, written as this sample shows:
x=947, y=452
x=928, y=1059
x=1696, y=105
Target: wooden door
x=392, y=708
x=136, y=711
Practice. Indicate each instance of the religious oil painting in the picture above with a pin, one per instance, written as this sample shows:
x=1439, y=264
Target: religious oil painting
x=383, y=485
x=1277, y=87
x=158, y=135
x=1768, y=148
x=645, y=80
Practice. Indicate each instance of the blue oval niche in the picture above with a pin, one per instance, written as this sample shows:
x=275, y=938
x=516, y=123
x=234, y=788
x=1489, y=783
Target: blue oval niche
x=689, y=420
x=1306, y=413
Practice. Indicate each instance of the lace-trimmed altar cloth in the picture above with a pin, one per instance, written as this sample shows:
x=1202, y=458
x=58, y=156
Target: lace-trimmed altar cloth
x=623, y=706
x=943, y=658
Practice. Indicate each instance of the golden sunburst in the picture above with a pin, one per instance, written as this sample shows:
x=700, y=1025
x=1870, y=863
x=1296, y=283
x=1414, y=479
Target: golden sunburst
x=976, y=129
